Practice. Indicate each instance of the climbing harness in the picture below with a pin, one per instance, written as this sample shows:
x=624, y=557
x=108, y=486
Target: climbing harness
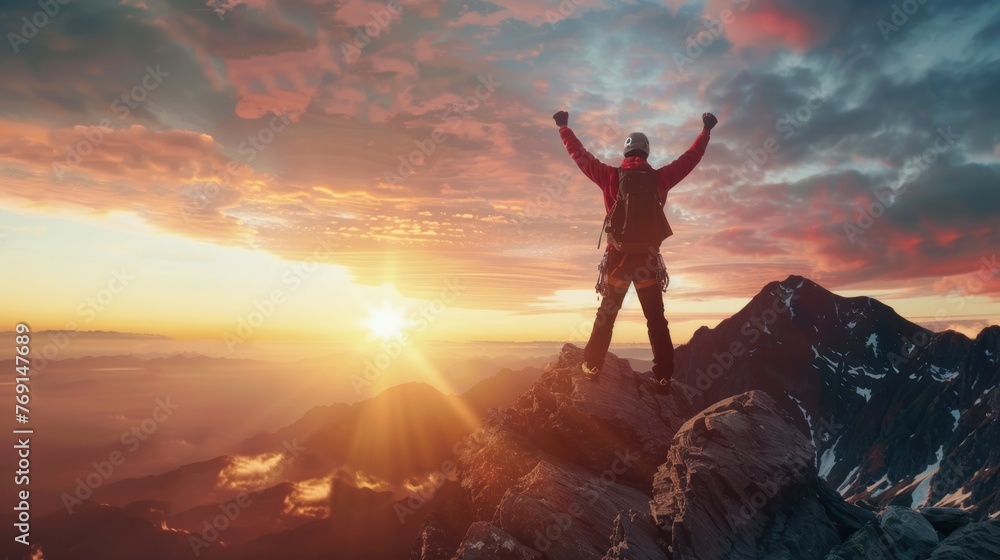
x=602, y=278
x=662, y=278
x=603, y=273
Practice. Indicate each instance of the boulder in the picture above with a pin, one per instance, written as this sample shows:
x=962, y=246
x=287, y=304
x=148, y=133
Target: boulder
x=913, y=536
x=976, y=541
x=731, y=473
x=484, y=541
x=946, y=519
x=870, y=543
x=566, y=512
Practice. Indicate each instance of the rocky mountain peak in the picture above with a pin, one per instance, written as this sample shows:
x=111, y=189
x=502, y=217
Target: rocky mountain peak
x=612, y=469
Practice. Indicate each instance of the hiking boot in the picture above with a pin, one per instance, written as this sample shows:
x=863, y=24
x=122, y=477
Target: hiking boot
x=662, y=383
x=589, y=372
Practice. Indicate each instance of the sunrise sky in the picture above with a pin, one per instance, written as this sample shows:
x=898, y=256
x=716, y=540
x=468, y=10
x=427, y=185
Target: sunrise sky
x=171, y=166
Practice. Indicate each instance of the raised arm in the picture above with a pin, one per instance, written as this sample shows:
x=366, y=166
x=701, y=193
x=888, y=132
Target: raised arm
x=593, y=168
x=675, y=171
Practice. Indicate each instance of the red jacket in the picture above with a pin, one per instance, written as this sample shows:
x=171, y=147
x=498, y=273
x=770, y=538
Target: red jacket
x=606, y=176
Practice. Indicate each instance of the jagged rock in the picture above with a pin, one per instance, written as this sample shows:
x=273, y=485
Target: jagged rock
x=843, y=366
x=493, y=460
x=731, y=470
x=566, y=512
x=567, y=468
x=629, y=542
x=945, y=519
x=579, y=469
x=576, y=420
x=976, y=541
x=848, y=518
x=436, y=541
x=484, y=541
x=913, y=535
x=441, y=534
x=618, y=411
x=803, y=532
x=870, y=543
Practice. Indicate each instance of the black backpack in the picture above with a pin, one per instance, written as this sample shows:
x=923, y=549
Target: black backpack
x=636, y=223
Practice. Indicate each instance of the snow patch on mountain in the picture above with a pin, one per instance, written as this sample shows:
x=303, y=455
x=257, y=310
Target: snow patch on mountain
x=941, y=374
x=857, y=370
x=833, y=365
x=872, y=343
x=812, y=432
x=877, y=487
x=789, y=293
x=852, y=478
x=828, y=460
x=919, y=495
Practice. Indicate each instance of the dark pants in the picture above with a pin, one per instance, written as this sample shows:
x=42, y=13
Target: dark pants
x=623, y=271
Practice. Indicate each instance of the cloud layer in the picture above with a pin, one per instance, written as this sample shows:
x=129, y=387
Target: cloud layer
x=858, y=142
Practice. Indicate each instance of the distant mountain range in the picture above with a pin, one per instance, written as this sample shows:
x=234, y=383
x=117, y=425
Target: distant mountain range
x=806, y=426
x=394, y=438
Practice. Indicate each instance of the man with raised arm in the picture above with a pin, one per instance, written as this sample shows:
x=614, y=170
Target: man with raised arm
x=634, y=197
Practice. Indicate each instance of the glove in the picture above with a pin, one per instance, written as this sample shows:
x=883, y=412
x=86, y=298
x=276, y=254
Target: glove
x=561, y=118
x=709, y=120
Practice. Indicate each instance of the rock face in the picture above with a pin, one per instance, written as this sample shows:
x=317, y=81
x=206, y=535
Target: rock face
x=869, y=543
x=843, y=365
x=567, y=469
x=611, y=469
x=739, y=472
x=975, y=541
x=913, y=536
x=486, y=542
x=945, y=520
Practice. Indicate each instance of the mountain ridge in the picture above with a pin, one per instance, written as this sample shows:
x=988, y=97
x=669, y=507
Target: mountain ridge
x=834, y=378
x=614, y=468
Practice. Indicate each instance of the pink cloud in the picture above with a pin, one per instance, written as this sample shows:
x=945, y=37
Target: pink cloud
x=531, y=11
x=769, y=23
x=282, y=83
x=425, y=50
x=344, y=98
x=380, y=16
x=86, y=166
x=743, y=241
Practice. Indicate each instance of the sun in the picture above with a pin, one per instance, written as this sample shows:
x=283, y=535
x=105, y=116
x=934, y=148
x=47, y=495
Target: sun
x=386, y=322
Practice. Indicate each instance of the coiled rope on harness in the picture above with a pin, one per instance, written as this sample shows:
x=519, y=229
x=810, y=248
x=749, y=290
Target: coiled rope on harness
x=602, y=280
x=662, y=278
x=603, y=288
